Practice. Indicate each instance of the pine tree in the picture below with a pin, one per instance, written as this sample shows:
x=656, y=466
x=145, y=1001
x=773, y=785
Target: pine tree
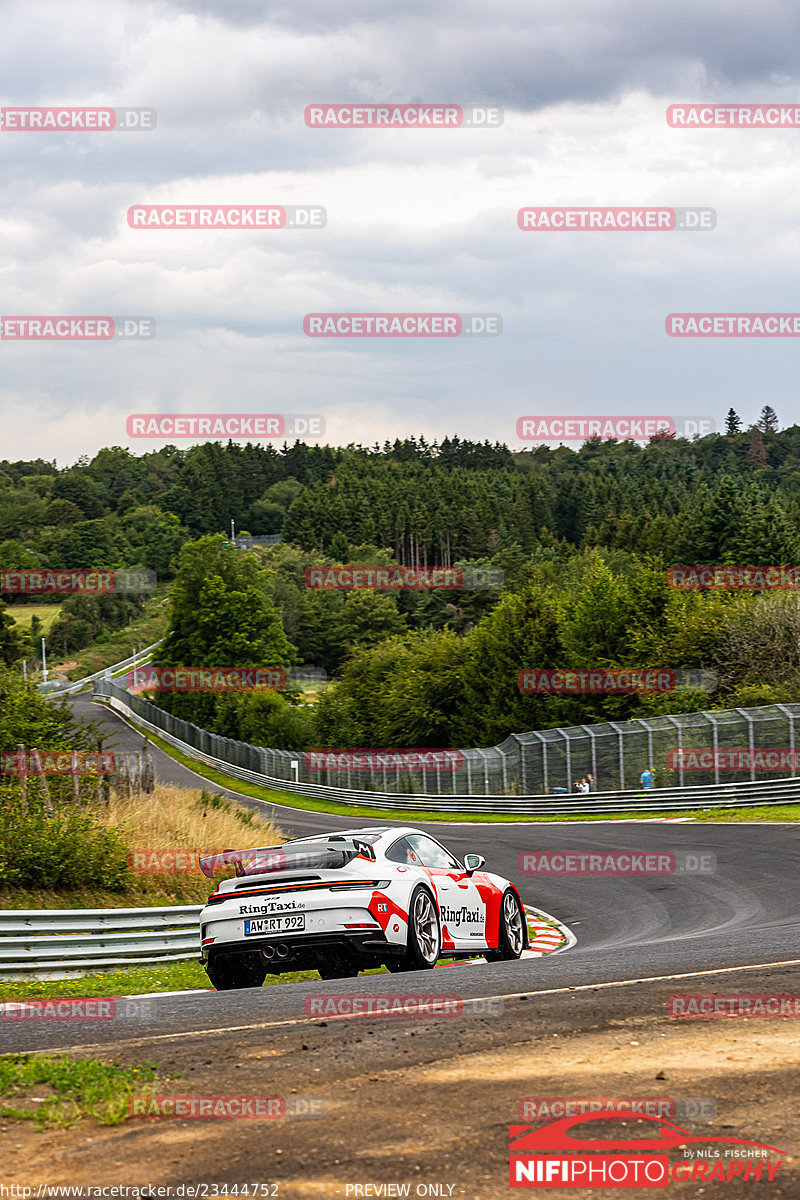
x=767, y=537
x=732, y=423
x=768, y=421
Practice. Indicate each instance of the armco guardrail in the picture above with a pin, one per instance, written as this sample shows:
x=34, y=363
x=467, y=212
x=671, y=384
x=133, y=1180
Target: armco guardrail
x=678, y=799
x=37, y=943
x=64, y=688
x=533, y=763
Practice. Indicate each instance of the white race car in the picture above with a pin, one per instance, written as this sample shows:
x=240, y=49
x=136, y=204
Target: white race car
x=342, y=902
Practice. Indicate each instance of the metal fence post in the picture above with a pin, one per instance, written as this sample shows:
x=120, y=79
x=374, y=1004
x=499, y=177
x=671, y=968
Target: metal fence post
x=751, y=728
x=593, y=743
x=543, y=744
x=715, y=737
x=680, y=745
x=568, y=759
x=485, y=771
x=790, y=715
x=502, y=754
x=618, y=732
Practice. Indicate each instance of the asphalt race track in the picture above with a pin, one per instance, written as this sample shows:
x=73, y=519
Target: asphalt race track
x=745, y=913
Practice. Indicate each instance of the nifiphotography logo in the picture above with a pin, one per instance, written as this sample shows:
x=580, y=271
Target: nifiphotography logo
x=555, y=1156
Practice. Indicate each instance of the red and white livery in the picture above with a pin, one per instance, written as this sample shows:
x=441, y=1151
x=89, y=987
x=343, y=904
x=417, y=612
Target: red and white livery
x=340, y=903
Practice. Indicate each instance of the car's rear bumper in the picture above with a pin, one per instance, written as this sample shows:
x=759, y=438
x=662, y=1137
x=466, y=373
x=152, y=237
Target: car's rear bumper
x=304, y=950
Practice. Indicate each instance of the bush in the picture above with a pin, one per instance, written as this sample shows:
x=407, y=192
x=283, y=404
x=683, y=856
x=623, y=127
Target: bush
x=65, y=849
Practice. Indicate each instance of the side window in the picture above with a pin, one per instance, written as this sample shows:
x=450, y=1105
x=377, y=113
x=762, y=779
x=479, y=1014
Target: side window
x=401, y=852
x=431, y=854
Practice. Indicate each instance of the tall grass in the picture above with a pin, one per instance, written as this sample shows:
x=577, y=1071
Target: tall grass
x=85, y=855
x=174, y=819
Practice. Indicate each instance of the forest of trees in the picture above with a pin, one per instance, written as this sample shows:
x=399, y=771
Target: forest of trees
x=428, y=504
x=582, y=537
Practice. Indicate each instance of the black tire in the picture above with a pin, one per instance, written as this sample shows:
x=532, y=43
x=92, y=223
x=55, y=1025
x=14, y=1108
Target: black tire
x=424, y=933
x=338, y=966
x=236, y=971
x=511, y=929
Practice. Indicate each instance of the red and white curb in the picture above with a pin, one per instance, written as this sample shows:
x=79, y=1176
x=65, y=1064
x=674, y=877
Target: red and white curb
x=547, y=935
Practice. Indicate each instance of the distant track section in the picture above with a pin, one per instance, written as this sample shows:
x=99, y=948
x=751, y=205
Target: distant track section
x=723, y=795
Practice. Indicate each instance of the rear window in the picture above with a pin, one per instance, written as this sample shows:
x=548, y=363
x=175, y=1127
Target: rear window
x=269, y=860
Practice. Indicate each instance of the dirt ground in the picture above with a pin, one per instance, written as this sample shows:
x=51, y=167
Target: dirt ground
x=424, y=1102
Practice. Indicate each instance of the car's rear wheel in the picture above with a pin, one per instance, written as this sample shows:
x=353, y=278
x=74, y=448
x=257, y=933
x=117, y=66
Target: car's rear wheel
x=511, y=929
x=424, y=934
x=236, y=971
x=337, y=966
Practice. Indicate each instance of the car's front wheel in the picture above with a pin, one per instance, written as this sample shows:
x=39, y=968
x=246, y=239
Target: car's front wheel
x=511, y=929
x=236, y=971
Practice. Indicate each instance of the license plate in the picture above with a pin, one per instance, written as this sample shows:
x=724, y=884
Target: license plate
x=285, y=924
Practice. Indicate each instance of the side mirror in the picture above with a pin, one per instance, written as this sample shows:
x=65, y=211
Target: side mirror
x=473, y=862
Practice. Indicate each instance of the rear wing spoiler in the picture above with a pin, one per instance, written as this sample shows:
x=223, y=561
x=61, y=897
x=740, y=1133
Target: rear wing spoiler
x=265, y=859
x=238, y=859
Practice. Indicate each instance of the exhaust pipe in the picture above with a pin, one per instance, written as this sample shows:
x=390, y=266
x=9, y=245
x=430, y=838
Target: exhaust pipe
x=268, y=951
x=282, y=950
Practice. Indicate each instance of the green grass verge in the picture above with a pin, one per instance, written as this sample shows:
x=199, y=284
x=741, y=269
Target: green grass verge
x=135, y=981
x=784, y=812
x=131, y=981
x=53, y=1091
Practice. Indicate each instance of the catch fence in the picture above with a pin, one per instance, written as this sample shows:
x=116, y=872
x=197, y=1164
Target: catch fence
x=701, y=749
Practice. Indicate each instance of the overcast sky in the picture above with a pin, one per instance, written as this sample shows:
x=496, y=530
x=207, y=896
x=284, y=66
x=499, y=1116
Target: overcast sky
x=417, y=220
